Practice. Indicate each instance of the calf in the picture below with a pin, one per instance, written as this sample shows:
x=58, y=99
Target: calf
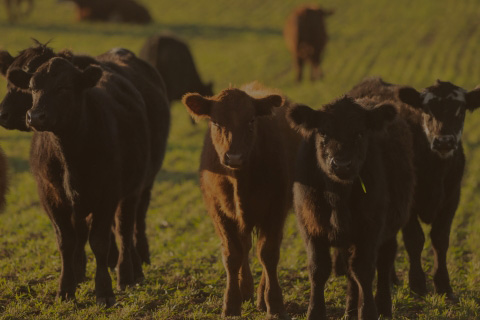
x=436, y=116
x=173, y=60
x=353, y=188
x=306, y=37
x=95, y=122
x=246, y=174
x=127, y=11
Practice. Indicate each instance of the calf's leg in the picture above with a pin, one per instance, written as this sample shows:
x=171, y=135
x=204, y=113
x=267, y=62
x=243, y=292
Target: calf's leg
x=414, y=240
x=246, y=279
x=268, y=250
x=385, y=260
x=319, y=267
x=140, y=235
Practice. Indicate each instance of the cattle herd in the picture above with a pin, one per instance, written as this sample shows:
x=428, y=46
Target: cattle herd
x=377, y=160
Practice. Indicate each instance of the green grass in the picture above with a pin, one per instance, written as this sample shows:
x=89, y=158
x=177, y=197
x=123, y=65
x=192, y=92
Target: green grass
x=233, y=42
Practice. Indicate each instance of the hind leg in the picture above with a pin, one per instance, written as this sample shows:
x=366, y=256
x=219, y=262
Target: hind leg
x=385, y=260
x=140, y=234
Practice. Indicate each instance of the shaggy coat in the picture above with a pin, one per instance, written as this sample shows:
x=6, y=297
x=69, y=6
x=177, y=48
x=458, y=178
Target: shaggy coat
x=306, y=37
x=246, y=175
x=127, y=11
x=101, y=114
x=435, y=116
x=353, y=188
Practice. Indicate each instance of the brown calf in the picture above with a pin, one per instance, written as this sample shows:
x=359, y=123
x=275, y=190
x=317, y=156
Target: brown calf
x=246, y=174
x=306, y=37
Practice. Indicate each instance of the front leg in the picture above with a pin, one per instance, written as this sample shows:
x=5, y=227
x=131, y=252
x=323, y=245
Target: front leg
x=414, y=240
x=440, y=235
x=362, y=264
x=319, y=267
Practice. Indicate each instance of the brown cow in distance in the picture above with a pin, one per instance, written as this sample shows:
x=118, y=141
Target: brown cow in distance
x=127, y=11
x=18, y=8
x=246, y=177
x=306, y=36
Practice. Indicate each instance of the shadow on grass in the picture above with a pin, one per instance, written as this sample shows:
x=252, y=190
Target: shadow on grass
x=176, y=176
x=213, y=31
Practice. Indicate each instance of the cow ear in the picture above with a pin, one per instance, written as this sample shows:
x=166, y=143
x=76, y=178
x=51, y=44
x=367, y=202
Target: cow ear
x=5, y=61
x=198, y=106
x=19, y=78
x=264, y=106
x=90, y=76
x=379, y=116
x=410, y=96
x=303, y=119
x=473, y=99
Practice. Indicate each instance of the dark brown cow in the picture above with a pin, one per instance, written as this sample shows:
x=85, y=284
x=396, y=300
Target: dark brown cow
x=174, y=61
x=306, y=36
x=246, y=173
x=436, y=116
x=18, y=100
x=18, y=8
x=353, y=187
x=127, y=11
x=95, y=122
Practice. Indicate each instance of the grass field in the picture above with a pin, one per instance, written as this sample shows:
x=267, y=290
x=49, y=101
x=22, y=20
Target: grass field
x=409, y=42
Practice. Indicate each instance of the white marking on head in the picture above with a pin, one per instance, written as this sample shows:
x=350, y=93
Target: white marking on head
x=458, y=136
x=458, y=112
x=457, y=94
x=428, y=96
x=425, y=128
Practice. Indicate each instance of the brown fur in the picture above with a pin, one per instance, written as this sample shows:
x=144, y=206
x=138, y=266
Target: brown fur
x=127, y=11
x=251, y=193
x=306, y=37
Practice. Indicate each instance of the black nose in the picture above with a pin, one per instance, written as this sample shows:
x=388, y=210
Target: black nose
x=233, y=159
x=446, y=142
x=338, y=163
x=36, y=118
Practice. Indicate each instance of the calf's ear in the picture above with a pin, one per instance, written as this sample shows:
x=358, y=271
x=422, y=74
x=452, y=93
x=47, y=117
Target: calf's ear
x=198, y=106
x=5, y=61
x=19, y=78
x=410, y=96
x=378, y=117
x=303, y=119
x=264, y=106
x=90, y=76
x=473, y=99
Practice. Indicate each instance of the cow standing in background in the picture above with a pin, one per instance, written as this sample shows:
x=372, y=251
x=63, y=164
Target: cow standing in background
x=173, y=60
x=16, y=8
x=127, y=11
x=306, y=37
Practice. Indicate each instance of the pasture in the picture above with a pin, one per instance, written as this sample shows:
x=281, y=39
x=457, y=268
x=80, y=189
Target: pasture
x=234, y=42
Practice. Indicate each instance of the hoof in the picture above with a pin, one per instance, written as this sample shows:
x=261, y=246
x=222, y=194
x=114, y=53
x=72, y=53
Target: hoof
x=452, y=298
x=66, y=296
x=420, y=290
x=261, y=306
x=106, y=302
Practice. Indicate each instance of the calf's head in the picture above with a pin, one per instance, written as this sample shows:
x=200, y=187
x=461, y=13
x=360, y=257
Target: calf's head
x=56, y=89
x=341, y=131
x=443, y=107
x=233, y=118
x=18, y=98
